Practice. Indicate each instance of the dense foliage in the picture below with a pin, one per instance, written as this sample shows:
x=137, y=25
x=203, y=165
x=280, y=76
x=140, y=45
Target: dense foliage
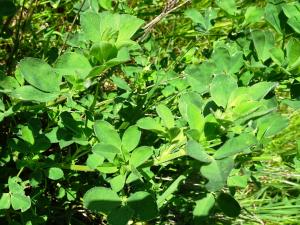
x=144, y=111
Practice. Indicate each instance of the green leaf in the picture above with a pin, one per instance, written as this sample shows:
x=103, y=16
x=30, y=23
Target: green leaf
x=293, y=104
x=128, y=26
x=94, y=160
x=20, y=202
x=294, y=22
x=55, y=173
x=73, y=64
x=106, y=26
x=121, y=83
x=196, y=151
x=166, y=116
x=217, y=173
x=197, y=17
x=221, y=88
x=277, y=55
x=117, y=183
x=7, y=83
x=120, y=216
x=29, y=93
x=200, y=76
x=228, y=6
x=27, y=134
x=148, y=123
x=263, y=42
x=292, y=53
x=108, y=168
x=203, y=206
x=170, y=190
x=190, y=98
x=228, y=205
x=195, y=118
x=140, y=155
x=104, y=51
x=131, y=138
x=14, y=186
x=259, y=90
x=272, y=16
x=107, y=134
x=5, y=201
x=100, y=199
x=237, y=181
x=236, y=145
x=292, y=11
x=271, y=125
x=107, y=151
x=106, y=4
x=96, y=26
x=144, y=205
x=40, y=75
x=253, y=15
x=226, y=63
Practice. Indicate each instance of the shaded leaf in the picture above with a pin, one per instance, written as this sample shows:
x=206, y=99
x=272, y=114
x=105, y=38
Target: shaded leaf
x=120, y=216
x=217, y=173
x=143, y=204
x=228, y=205
x=100, y=199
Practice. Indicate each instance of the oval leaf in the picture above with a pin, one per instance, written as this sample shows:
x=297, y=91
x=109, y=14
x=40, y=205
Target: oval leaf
x=131, y=138
x=40, y=74
x=140, y=155
x=55, y=173
x=166, y=116
x=149, y=123
x=106, y=133
x=29, y=93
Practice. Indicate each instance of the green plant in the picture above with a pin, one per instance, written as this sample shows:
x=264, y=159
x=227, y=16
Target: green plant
x=117, y=129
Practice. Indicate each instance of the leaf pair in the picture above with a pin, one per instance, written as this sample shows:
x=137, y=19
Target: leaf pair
x=16, y=196
x=44, y=81
x=140, y=205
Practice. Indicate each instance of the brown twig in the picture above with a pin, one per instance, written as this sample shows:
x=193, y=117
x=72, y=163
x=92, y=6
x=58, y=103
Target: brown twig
x=149, y=26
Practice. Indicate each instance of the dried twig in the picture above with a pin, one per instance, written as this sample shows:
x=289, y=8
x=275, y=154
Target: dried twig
x=167, y=10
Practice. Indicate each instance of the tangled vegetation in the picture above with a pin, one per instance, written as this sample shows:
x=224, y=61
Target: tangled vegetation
x=149, y=112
